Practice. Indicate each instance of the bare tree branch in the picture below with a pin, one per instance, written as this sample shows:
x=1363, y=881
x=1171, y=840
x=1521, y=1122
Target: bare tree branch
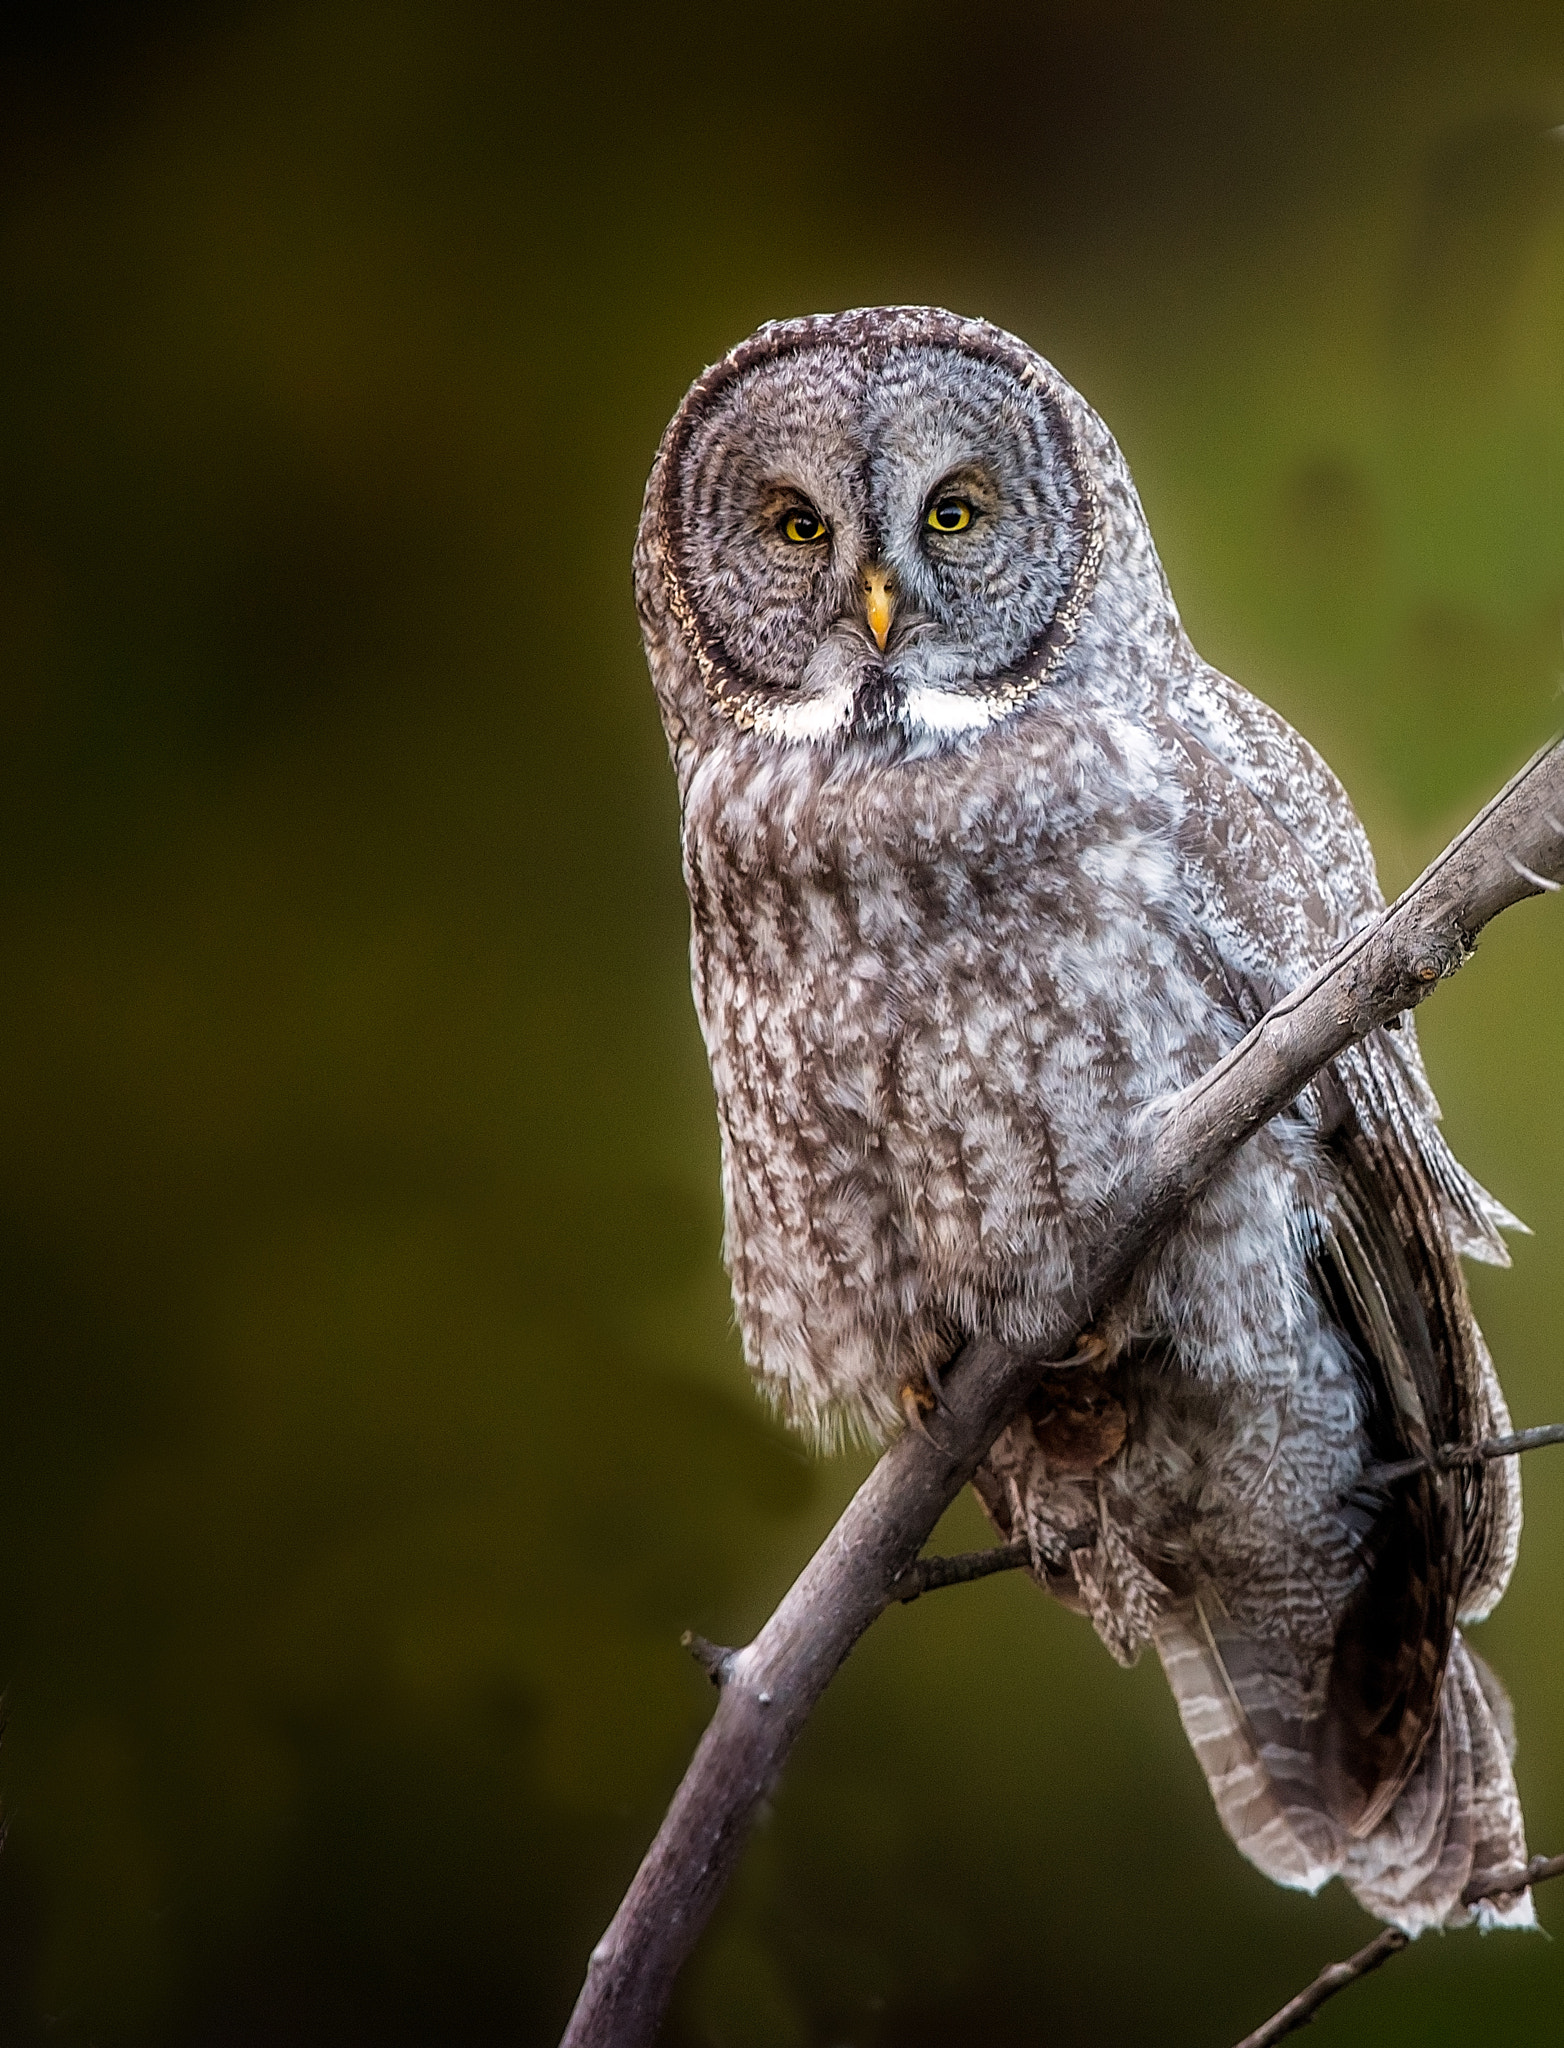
x=1504, y=1884
x=930, y=1573
x=1297, y=2012
x=1449, y=1456
x=1537, y=1439
x=1510, y=851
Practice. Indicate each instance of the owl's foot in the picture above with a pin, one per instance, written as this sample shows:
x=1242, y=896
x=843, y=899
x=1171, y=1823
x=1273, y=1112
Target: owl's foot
x=1077, y=1419
x=920, y=1397
x=1092, y=1350
x=1078, y=1425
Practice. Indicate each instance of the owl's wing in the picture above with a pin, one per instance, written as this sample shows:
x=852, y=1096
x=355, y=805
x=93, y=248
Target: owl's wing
x=1288, y=874
x=1284, y=874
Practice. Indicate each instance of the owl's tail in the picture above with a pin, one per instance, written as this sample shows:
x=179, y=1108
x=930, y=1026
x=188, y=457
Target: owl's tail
x=1457, y=1817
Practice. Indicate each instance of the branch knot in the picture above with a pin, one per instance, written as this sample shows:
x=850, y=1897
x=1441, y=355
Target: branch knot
x=713, y=1658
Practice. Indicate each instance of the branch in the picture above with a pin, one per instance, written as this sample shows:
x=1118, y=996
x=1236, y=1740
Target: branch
x=1449, y=1456
x=930, y=1573
x=1508, y=852
x=1297, y=2012
x=1504, y=1884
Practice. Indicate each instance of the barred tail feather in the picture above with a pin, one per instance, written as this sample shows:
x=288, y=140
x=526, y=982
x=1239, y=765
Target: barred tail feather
x=1457, y=1816
x=1262, y=1799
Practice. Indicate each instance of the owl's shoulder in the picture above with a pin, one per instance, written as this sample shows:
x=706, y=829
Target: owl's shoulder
x=1252, y=765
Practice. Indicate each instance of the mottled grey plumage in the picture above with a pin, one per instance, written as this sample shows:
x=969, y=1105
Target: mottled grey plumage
x=963, y=908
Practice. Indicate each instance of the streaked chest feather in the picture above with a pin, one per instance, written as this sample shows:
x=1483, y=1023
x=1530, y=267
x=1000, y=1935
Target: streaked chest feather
x=946, y=983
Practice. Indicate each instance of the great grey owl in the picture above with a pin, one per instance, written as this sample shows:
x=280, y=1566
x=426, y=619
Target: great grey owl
x=982, y=860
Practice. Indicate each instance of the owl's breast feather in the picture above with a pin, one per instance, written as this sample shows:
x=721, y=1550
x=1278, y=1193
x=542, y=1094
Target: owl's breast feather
x=932, y=999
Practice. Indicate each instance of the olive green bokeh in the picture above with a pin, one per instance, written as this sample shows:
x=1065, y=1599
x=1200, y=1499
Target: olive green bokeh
x=373, y=1420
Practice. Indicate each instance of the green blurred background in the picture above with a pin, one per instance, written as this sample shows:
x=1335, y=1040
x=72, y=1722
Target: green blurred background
x=372, y=1419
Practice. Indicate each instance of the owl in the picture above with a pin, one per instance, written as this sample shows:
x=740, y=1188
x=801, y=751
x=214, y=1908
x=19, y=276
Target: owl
x=984, y=862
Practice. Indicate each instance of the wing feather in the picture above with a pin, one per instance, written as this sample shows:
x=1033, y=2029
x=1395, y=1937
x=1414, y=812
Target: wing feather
x=1285, y=875
x=1386, y=1775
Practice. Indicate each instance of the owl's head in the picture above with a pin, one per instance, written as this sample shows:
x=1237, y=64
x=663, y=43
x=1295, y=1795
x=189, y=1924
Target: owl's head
x=887, y=524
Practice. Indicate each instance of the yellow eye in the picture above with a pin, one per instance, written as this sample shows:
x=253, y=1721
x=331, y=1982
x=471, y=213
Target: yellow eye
x=803, y=527
x=950, y=515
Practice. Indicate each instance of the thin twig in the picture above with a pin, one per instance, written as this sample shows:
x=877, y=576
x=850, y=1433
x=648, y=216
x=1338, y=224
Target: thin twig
x=771, y=1686
x=1502, y=1446
x=1297, y=2012
x=713, y=1658
x=1504, y=1884
x=930, y=1573
x=1449, y=1456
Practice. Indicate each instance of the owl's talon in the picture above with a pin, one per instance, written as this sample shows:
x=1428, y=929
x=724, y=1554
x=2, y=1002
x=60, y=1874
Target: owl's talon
x=1092, y=1350
x=919, y=1397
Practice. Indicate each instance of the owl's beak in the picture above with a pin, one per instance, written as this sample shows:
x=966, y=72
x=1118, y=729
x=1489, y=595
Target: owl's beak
x=879, y=603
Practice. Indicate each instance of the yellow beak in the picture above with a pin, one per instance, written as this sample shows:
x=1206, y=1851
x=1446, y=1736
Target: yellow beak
x=878, y=603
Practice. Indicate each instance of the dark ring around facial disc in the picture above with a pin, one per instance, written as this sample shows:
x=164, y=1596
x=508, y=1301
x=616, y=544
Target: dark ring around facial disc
x=875, y=331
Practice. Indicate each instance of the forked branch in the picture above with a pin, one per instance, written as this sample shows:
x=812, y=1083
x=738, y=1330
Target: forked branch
x=1513, y=849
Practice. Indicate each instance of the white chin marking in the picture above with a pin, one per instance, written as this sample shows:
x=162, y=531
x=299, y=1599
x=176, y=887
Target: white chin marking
x=807, y=718
x=944, y=713
x=927, y=713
